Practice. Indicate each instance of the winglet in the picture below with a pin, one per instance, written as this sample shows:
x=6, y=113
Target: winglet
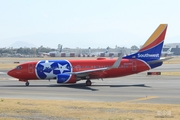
x=117, y=63
x=169, y=50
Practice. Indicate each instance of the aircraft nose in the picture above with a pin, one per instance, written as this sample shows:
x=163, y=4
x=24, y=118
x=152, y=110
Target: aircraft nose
x=11, y=73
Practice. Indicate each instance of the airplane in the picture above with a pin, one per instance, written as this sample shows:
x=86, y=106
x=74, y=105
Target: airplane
x=167, y=53
x=117, y=54
x=54, y=53
x=99, y=54
x=72, y=71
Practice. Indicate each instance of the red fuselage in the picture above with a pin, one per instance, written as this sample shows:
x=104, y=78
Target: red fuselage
x=49, y=70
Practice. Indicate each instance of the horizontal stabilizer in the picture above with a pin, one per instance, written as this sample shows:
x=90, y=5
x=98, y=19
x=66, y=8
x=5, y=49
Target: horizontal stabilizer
x=160, y=60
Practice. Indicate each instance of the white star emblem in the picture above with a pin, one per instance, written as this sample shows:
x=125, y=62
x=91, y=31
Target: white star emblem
x=62, y=68
x=50, y=75
x=47, y=64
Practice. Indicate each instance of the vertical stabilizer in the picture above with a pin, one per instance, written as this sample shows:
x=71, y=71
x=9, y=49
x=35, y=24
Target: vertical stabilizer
x=59, y=48
x=151, y=50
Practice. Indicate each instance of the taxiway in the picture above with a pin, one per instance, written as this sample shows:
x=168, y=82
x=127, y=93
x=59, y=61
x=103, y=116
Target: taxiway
x=135, y=88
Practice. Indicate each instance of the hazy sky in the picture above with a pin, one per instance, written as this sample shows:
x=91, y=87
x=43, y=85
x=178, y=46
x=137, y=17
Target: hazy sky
x=128, y=21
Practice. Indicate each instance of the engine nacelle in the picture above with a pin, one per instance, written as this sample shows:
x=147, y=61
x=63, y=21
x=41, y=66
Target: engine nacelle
x=66, y=78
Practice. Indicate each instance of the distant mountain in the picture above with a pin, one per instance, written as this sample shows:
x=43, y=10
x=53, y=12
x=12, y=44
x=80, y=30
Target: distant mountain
x=83, y=40
x=23, y=44
x=110, y=38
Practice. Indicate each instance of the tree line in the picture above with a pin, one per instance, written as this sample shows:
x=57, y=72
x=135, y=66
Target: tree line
x=34, y=50
x=26, y=50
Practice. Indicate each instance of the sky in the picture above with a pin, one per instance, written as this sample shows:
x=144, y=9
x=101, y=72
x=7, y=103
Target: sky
x=86, y=23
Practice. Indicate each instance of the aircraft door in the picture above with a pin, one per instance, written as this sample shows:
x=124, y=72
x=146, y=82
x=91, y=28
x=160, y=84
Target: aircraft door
x=30, y=68
x=134, y=65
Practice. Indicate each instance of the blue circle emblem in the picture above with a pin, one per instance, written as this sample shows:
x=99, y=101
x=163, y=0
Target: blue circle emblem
x=49, y=69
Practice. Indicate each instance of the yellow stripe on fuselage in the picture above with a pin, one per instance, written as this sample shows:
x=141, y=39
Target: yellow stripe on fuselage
x=156, y=34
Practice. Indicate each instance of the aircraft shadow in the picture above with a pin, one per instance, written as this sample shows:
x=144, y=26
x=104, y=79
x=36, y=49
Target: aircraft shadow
x=136, y=85
x=78, y=86
x=75, y=86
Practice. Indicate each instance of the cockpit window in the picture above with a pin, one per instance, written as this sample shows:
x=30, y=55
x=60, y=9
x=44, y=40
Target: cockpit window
x=18, y=67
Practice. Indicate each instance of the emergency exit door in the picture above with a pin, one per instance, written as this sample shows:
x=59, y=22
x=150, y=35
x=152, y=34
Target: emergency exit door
x=134, y=65
x=30, y=68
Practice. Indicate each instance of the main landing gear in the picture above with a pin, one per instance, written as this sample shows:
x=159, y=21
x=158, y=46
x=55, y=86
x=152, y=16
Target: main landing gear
x=27, y=83
x=88, y=82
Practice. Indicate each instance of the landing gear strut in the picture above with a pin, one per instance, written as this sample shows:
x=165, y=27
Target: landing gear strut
x=27, y=83
x=88, y=82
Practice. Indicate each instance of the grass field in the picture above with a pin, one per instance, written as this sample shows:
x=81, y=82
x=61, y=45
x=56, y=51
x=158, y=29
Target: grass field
x=15, y=109
x=174, y=73
x=175, y=60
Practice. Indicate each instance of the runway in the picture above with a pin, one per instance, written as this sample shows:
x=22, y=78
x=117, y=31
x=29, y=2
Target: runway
x=138, y=88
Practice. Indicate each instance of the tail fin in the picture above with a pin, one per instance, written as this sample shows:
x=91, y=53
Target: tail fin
x=169, y=50
x=151, y=50
x=59, y=47
x=107, y=50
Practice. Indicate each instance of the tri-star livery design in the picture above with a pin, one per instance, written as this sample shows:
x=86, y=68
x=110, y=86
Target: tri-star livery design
x=71, y=71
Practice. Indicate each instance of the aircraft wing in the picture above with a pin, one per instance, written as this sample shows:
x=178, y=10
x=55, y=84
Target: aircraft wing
x=85, y=72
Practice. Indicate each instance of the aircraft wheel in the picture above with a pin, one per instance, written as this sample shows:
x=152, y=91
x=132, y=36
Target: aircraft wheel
x=27, y=84
x=88, y=83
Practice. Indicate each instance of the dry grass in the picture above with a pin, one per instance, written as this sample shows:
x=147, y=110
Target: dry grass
x=7, y=66
x=175, y=73
x=175, y=60
x=55, y=109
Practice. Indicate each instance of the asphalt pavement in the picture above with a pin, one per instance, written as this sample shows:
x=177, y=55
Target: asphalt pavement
x=138, y=88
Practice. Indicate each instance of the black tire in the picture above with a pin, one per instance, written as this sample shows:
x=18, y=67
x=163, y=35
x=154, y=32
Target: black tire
x=27, y=84
x=88, y=83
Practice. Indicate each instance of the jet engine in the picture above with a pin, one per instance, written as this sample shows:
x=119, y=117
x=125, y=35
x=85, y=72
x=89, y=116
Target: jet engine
x=66, y=78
